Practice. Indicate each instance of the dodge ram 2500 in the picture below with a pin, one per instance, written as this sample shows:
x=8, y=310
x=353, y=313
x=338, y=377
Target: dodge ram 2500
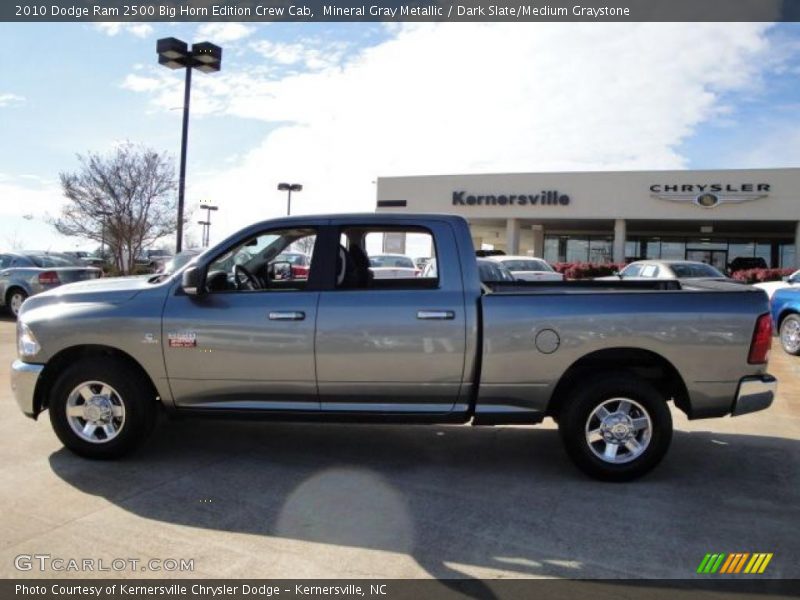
x=236, y=332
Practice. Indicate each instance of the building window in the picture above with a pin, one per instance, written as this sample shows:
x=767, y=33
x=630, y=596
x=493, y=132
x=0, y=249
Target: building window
x=551, y=252
x=577, y=249
x=672, y=250
x=787, y=256
x=601, y=250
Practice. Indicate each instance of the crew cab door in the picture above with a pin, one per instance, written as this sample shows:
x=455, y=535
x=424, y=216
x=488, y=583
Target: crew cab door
x=248, y=345
x=395, y=344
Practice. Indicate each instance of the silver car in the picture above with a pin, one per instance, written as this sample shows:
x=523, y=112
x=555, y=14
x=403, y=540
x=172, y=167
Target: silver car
x=669, y=269
x=24, y=274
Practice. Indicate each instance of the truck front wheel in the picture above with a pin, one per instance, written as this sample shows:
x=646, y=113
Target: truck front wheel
x=616, y=428
x=101, y=408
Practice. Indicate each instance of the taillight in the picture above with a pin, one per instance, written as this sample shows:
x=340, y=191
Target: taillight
x=762, y=341
x=49, y=278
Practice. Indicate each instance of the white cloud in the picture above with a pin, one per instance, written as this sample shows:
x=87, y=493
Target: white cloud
x=219, y=33
x=312, y=54
x=8, y=99
x=137, y=83
x=460, y=98
x=138, y=29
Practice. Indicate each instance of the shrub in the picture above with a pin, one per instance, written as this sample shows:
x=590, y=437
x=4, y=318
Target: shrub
x=586, y=270
x=761, y=275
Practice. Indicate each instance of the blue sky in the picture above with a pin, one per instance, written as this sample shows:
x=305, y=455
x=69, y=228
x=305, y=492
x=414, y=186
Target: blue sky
x=337, y=105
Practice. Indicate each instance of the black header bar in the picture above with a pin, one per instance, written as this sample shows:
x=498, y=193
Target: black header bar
x=399, y=11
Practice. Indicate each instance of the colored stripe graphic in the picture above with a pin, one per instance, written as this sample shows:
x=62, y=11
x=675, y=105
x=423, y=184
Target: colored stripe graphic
x=734, y=563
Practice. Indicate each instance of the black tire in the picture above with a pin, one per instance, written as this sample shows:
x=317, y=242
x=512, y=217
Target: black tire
x=131, y=391
x=790, y=326
x=648, y=407
x=14, y=298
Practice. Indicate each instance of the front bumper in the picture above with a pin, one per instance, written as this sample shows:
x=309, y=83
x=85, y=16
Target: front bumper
x=754, y=393
x=24, y=377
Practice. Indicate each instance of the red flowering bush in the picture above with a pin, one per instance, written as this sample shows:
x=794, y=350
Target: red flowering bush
x=586, y=270
x=761, y=275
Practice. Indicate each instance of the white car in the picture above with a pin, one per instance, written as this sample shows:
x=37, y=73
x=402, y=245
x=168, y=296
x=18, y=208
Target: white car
x=393, y=266
x=528, y=268
x=771, y=287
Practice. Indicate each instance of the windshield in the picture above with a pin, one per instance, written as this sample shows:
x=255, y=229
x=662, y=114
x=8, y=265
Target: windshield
x=46, y=261
x=694, y=270
x=391, y=261
x=490, y=271
x=298, y=260
x=523, y=264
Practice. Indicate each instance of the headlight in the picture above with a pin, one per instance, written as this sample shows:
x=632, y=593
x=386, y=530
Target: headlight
x=27, y=344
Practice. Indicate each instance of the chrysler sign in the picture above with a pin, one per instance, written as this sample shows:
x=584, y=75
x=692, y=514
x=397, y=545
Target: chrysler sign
x=543, y=198
x=709, y=195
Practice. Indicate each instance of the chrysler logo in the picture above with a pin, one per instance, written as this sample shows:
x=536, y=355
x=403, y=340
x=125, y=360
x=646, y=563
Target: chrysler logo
x=710, y=195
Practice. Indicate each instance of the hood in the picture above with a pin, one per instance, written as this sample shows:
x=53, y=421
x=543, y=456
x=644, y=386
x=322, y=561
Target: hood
x=112, y=290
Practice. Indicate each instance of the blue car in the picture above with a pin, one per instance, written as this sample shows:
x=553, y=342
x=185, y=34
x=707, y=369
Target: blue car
x=785, y=307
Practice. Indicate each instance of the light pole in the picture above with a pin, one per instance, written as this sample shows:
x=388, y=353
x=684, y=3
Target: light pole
x=103, y=214
x=289, y=187
x=206, y=226
x=207, y=223
x=205, y=57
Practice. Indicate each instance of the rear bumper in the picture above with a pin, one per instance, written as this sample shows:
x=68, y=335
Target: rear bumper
x=754, y=393
x=24, y=377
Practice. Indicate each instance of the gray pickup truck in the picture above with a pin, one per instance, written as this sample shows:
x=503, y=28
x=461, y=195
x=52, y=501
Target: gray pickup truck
x=235, y=332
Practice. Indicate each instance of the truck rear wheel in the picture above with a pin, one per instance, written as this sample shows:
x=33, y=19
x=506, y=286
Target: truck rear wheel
x=102, y=408
x=616, y=428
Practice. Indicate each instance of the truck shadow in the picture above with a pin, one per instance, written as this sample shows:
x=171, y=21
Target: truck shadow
x=461, y=502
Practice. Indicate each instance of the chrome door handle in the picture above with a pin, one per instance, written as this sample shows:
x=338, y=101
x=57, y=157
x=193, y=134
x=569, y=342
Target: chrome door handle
x=287, y=315
x=436, y=314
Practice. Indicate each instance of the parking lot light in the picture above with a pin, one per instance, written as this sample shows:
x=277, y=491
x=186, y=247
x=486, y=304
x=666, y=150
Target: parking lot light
x=203, y=56
x=289, y=188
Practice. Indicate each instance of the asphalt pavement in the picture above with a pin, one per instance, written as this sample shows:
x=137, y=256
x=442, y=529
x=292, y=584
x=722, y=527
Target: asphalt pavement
x=270, y=500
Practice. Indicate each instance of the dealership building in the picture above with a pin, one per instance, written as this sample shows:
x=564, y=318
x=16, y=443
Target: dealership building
x=710, y=216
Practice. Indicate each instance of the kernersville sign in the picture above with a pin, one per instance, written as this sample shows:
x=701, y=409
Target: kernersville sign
x=543, y=198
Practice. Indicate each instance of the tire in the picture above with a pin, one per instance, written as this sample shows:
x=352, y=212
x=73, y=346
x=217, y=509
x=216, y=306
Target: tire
x=636, y=420
x=108, y=394
x=14, y=299
x=790, y=334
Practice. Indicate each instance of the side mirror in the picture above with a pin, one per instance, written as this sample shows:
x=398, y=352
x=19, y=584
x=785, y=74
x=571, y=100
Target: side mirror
x=192, y=282
x=281, y=270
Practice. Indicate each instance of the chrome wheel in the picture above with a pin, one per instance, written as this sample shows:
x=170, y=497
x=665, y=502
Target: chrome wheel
x=15, y=302
x=95, y=412
x=790, y=335
x=618, y=430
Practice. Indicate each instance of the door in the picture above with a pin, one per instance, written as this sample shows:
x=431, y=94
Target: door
x=715, y=258
x=391, y=340
x=248, y=342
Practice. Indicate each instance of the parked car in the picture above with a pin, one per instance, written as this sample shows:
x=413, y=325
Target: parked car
x=489, y=271
x=771, y=287
x=684, y=270
x=526, y=268
x=23, y=274
x=153, y=259
x=86, y=258
x=179, y=261
x=741, y=263
x=213, y=340
x=785, y=309
x=393, y=266
x=299, y=263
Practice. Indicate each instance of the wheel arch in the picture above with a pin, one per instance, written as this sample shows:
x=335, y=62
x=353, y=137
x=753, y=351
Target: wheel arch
x=785, y=313
x=11, y=288
x=55, y=366
x=645, y=364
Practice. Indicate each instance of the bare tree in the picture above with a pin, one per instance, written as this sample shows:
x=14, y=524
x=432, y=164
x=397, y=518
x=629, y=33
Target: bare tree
x=127, y=195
